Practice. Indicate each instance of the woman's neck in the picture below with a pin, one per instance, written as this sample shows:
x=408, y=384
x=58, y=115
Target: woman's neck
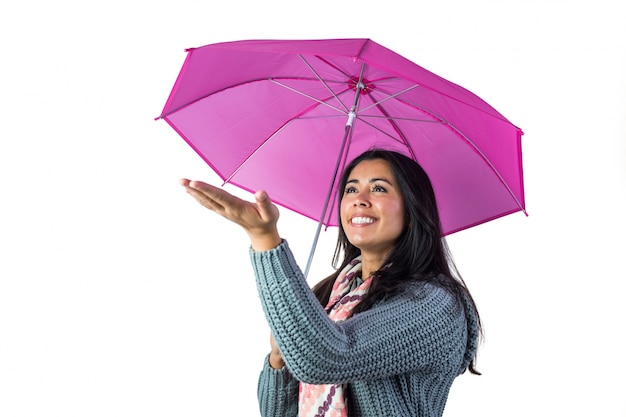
x=370, y=264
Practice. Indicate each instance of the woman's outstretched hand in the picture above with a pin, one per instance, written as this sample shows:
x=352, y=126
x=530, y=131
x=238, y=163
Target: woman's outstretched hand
x=258, y=219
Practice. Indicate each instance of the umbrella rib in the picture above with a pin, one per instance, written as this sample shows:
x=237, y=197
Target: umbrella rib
x=310, y=67
x=488, y=162
x=407, y=119
x=251, y=81
x=467, y=140
x=390, y=97
x=392, y=120
x=310, y=96
x=270, y=137
x=438, y=120
x=348, y=126
x=402, y=138
x=257, y=150
x=378, y=105
x=476, y=148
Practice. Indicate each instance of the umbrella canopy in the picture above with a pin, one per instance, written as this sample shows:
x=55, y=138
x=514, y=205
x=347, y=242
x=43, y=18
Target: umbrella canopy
x=286, y=115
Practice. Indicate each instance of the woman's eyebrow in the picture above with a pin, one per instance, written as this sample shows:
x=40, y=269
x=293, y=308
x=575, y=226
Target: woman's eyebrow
x=355, y=181
x=381, y=179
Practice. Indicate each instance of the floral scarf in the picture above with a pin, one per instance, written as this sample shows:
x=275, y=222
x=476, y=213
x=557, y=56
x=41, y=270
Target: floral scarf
x=329, y=400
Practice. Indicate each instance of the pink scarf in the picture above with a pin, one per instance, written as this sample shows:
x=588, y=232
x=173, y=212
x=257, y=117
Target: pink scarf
x=329, y=400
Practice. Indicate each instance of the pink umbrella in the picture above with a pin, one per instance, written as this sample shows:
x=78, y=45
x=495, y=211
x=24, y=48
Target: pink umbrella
x=286, y=115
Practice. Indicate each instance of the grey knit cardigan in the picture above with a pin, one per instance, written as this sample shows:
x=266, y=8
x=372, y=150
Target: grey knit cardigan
x=398, y=358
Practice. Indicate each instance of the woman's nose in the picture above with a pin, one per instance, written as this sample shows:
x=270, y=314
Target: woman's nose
x=361, y=201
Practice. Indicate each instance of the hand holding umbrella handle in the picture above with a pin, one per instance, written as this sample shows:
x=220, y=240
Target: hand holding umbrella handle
x=258, y=219
x=276, y=358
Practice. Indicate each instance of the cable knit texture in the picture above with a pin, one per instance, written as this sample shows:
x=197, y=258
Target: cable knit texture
x=397, y=359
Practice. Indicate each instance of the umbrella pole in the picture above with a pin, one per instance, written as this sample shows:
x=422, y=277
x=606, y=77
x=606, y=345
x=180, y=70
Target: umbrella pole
x=346, y=136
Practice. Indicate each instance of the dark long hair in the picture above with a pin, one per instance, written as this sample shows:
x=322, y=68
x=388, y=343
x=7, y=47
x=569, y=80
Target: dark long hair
x=420, y=254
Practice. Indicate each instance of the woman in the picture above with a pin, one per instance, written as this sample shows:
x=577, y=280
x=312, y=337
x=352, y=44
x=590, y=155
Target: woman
x=386, y=334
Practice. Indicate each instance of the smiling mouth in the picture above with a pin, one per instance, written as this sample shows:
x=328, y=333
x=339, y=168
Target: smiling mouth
x=362, y=220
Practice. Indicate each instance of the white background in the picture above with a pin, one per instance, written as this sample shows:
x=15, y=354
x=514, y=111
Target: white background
x=120, y=296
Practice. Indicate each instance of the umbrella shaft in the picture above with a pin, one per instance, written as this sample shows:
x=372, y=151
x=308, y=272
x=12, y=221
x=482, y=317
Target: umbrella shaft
x=346, y=138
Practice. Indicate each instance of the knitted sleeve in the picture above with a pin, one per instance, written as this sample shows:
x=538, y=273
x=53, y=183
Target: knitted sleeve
x=277, y=392
x=423, y=329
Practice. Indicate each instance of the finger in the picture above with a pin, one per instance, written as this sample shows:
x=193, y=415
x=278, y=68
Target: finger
x=203, y=186
x=264, y=203
x=194, y=190
x=204, y=199
x=209, y=196
x=223, y=203
x=216, y=194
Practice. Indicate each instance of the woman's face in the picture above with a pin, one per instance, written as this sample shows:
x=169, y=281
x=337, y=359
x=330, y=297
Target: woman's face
x=372, y=208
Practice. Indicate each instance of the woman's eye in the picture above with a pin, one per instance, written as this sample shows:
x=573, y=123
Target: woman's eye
x=349, y=190
x=379, y=189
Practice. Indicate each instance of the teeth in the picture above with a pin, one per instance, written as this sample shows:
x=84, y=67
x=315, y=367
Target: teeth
x=362, y=220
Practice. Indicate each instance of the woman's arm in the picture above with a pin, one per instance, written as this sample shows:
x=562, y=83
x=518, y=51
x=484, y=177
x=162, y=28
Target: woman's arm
x=422, y=329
